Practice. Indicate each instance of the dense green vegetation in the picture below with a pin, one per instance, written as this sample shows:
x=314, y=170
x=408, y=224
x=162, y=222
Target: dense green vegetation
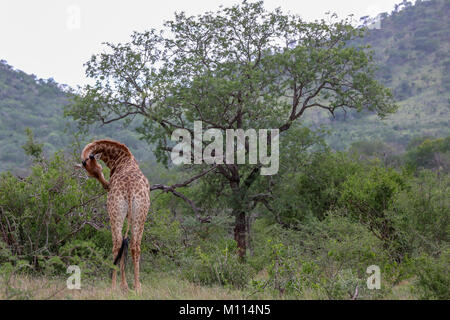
x=311, y=230
x=329, y=220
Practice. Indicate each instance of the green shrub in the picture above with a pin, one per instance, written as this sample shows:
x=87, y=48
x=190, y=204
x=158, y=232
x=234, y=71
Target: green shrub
x=82, y=253
x=327, y=259
x=51, y=208
x=421, y=213
x=314, y=188
x=431, y=153
x=162, y=240
x=433, y=281
x=219, y=265
x=10, y=265
x=368, y=196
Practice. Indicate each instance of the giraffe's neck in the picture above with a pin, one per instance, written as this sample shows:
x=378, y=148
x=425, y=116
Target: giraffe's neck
x=114, y=154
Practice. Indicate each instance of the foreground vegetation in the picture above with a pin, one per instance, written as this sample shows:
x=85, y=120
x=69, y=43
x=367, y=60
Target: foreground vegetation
x=155, y=286
x=315, y=242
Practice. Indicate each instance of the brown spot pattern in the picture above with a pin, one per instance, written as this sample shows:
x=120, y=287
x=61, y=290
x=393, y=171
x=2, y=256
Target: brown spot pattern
x=128, y=197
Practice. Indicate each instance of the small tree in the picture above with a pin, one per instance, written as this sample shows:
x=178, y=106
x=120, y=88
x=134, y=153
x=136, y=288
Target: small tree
x=239, y=68
x=33, y=149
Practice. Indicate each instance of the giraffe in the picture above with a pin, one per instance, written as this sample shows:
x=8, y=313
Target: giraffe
x=128, y=197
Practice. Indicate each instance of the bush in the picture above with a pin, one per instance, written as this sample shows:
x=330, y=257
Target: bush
x=420, y=213
x=162, y=239
x=425, y=44
x=52, y=207
x=368, y=196
x=84, y=254
x=430, y=154
x=314, y=188
x=219, y=265
x=326, y=259
x=433, y=281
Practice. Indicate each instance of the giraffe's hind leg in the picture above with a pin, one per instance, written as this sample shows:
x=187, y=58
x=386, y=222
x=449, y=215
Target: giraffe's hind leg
x=116, y=241
x=138, y=222
x=117, y=212
x=123, y=279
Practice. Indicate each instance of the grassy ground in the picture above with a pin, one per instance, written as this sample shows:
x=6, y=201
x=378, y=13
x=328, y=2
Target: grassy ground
x=154, y=287
x=157, y=286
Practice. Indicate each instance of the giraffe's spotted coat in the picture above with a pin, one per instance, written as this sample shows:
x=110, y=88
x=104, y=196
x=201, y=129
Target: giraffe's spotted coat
x=128, y=196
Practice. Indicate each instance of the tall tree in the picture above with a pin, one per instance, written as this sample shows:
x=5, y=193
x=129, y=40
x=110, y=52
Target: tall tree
x=238, y=68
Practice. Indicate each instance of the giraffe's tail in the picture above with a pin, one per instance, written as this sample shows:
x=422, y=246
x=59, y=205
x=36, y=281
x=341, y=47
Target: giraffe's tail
x=122, y=251
x=124, y=247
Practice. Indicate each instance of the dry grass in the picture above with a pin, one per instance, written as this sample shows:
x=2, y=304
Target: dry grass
x=402, y=291
x=156, y=287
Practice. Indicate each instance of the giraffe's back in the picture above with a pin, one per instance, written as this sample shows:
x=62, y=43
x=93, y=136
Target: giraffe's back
x=130, y=190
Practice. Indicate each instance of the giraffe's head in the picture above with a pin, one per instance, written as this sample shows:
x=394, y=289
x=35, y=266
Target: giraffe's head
x=94, y=169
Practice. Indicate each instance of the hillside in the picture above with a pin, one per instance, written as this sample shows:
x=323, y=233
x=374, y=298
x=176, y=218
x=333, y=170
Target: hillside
x=28, y=102
x=411, y=50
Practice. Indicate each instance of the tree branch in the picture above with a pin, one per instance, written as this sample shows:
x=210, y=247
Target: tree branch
x=191, y=203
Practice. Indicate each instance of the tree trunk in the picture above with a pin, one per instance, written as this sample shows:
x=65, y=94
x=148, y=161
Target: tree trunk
x=239, y=205
x=240, y=234
x=249, y=236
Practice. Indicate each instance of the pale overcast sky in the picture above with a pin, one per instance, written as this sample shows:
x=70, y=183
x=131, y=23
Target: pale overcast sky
x=45, y=38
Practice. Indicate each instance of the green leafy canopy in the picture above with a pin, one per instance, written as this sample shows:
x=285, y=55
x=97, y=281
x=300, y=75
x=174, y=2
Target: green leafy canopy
x=240, y=67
